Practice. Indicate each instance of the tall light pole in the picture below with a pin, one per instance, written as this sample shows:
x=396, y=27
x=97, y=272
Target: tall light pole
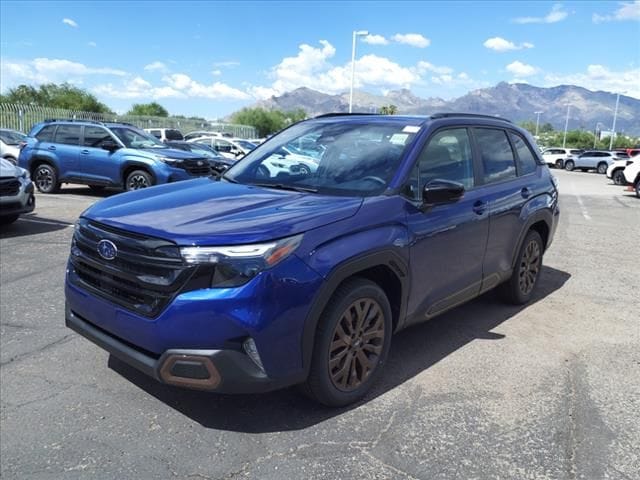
x=595, y=134
x=613, y=128
x=566, y=124
x=356, y=33
x=537, y=122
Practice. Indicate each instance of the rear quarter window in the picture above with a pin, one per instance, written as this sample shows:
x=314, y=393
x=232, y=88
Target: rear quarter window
x=526, y=159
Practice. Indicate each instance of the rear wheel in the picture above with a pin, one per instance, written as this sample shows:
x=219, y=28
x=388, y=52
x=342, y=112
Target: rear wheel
x=351, y=345
x=618, y=177
x=559, y=163
x=569, y=165
x=138, y=179
x=519, y=288
x=602, y=167
x=46, y=178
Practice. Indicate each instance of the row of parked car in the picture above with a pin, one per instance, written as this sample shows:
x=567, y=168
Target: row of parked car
x=622, y=166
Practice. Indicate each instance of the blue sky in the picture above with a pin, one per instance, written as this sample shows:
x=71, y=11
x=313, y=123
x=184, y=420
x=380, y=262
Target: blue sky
x=211, y=58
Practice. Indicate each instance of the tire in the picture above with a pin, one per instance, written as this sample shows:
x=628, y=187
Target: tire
x=304, y=169
x=602, y=167
x=348, y=358
x=618, y=177
x=569, y=165
x=638, y=188
x=12, y=160
x=7, y=219
x=559, y=163
x=138, y=179
x=519, y=289
x=46, y=178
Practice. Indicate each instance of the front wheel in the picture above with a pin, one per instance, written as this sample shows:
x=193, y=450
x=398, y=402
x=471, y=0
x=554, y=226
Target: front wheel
x=519, y=289
x=138, y=179
x=352, y=343
x=618, y=177
x=602, y=167
x=46, y=178
x=569, y=165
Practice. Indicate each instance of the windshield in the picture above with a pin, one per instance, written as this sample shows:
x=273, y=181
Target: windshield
x=344, y=158
x=202, y=149
x=134, y=138
x=11, y=138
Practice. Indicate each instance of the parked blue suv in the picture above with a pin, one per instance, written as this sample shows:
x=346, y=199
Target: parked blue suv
x=274, y=275
x=103, y=155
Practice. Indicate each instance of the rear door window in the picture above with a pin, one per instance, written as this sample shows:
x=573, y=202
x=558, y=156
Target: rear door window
x=496, y=155
x=172, y=134
x=526, y=159
x=47, y=133
x=68, y=134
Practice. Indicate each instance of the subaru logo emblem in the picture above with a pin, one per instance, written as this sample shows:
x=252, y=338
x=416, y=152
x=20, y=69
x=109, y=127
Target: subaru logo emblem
x=107, y=249
x=200, y=163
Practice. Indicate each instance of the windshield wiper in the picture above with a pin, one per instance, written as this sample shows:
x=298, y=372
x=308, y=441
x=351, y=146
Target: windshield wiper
x=281, y=186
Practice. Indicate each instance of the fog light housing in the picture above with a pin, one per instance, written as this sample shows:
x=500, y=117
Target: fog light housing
x=250, y=348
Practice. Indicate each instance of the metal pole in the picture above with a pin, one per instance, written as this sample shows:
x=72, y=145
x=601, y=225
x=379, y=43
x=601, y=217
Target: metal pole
x=353, y=69
x=595, y=135
x=566, y=124
x=537, y=121
x=613, y=129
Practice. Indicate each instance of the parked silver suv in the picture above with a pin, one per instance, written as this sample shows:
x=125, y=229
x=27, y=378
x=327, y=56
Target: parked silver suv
x=16, y=192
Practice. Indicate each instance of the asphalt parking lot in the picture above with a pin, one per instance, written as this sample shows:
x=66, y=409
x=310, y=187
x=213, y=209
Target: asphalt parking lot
x=549, y=391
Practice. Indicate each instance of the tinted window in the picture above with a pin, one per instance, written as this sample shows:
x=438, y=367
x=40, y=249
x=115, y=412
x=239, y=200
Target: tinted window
x=173, y=135
x=496, y=154
x=94, y=136
x=68, y=134
x=46, y=134
x=447, y=156
x=526, y=159
x=11, y=138
x=156, y=133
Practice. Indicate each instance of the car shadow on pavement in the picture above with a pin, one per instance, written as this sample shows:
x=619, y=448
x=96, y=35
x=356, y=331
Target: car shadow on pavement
x=412, y=351
x=86, y=191
x=32, y=224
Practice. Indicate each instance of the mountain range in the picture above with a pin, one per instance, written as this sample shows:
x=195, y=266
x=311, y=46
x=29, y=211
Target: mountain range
x=515, y=101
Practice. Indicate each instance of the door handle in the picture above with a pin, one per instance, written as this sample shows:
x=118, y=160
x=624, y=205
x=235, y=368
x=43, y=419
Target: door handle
x=85, y=152
x=479, y=207
x=525, y=192
x=52, y=148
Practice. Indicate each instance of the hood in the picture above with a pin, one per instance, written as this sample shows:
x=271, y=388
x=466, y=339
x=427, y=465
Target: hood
x=8, y=169
x=210, y=212
x=170, y=153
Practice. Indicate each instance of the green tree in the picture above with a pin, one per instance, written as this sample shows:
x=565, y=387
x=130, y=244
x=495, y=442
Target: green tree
x=56, y=96
x=529, y=125
x=152, y=109
x=546, y=128
x=265, y=121
x=388, y=110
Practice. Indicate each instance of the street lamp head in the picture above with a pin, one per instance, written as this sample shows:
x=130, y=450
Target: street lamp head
x=361, y=32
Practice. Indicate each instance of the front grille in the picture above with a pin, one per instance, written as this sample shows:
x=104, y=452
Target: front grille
x=192, y=167
x=9, y=187
x=144, y=276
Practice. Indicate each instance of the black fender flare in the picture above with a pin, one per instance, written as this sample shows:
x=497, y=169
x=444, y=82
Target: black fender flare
x=545, y=215
x=383, y=257
x=137, y=165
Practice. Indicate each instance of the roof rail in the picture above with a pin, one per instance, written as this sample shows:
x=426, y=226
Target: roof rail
x=50, y=120
x=468, y=115
x=342, y=114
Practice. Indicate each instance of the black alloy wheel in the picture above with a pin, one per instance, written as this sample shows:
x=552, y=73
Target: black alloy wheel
x=46, y=178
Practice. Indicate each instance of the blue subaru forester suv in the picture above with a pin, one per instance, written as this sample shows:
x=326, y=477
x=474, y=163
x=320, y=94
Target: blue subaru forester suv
x=274, y=275
x=103, y=155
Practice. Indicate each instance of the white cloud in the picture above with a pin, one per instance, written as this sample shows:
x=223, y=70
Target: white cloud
x=216, y=73
x=71, y=23
x=226, y=64
x=136, y=87
x=92, y=44
x=599, y=77
x=413, y=39
x=47, y=70
x=557, y=14
x=156, y=66
x=521, y=69
x=499, y=44
x=423, y=67
x=626, y=11
x=217, y=90
x=375, y=40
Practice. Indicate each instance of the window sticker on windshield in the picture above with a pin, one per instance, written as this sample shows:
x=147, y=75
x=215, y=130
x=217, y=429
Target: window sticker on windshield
x=398, y=138
x=411, y=129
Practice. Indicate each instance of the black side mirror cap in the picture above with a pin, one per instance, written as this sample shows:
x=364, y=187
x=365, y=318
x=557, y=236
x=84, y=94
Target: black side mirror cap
x=109, y=145
x=437, y=192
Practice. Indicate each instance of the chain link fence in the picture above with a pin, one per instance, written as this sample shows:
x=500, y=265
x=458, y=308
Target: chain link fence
x=23, y=117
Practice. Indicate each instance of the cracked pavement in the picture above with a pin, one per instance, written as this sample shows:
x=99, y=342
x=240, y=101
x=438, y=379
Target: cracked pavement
x=549, y=391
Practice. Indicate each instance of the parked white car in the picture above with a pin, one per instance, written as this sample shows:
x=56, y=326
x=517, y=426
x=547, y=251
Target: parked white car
x=555, y=157
x=285, y=161
x=10, y=144
x=16, y=192
x=594, y=160
x=165, y=134
x=228, y=147
x=616, y=170
x=632, y=176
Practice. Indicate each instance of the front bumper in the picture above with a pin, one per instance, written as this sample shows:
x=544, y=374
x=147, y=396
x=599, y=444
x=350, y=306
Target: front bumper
x=222, y=371
x=23, y=202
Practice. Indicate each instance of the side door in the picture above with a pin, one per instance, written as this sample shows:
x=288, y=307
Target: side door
x=67, y=144
x=506, y=194
x=97, y=165
x=447, y=241
x=46, y=141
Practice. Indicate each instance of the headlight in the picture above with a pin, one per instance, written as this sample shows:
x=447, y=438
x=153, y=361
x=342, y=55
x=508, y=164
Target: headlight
x=236, y=265
x=172, y=162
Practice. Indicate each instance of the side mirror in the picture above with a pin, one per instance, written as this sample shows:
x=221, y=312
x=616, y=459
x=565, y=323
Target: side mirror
x=437, y=192
x=109, y=145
